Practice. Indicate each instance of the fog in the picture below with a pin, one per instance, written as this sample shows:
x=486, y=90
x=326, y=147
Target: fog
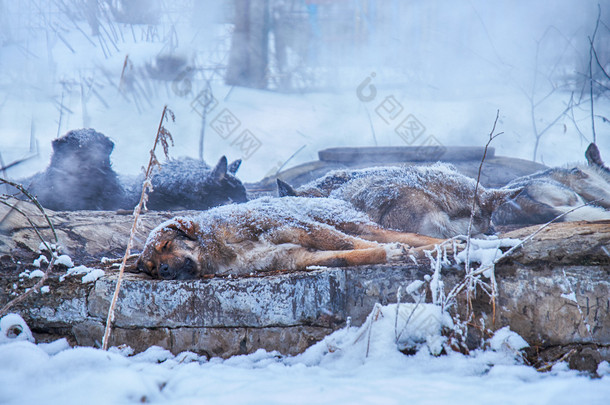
x=336, y=73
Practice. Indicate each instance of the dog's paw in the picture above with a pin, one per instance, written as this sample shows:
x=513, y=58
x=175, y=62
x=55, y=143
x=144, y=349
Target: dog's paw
x=454, y=248
x=395, y=252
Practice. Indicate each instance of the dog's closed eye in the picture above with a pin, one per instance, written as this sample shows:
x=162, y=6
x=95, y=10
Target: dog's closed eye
x=164, y=246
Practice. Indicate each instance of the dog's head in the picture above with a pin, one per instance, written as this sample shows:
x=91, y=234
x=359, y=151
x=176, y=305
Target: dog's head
x=171, y=251
x=223, y=182
x=489, y=201
x=81, y=149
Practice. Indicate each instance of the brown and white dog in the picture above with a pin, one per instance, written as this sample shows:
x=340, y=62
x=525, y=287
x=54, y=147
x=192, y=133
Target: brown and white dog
x=431, y=200
x=290, y=233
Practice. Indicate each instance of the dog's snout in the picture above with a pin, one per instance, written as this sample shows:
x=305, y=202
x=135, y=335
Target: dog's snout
x=140, y=266
x=164, y=271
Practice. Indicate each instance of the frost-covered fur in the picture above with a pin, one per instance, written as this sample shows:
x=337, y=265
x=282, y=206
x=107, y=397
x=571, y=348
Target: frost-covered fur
x=272, y=234
x=80, y=175
x=550, y=193
x=190, y=184
x=430, y=200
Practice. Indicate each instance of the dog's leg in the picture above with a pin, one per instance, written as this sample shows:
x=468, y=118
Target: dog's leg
x=375, y=255
x=321, y=238
x=378, y=234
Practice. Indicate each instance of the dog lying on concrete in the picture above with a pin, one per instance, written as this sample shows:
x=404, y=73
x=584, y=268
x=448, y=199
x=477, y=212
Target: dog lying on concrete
x=290, y=233
x=430, y=200
x=553, y=192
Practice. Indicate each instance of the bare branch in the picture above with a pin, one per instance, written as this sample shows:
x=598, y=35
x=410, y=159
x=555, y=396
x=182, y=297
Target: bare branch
x=492, y=136
x=40, y=282
x=591, y=48
x=33, y=200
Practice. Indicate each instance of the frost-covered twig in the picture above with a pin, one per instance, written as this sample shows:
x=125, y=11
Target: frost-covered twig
x=35, y=202
x=32, y=224
x=399, y=335
x=398, y=299
x=107, y=261
x=163, y=135
x=460, y=286
x=591, y=49
x=550, y=365
x=471, y=283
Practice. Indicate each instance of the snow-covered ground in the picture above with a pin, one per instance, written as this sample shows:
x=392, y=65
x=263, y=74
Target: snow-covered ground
x=337, y=370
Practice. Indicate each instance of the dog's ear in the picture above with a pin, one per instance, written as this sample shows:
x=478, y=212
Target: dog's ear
x=285, y=190
x=234, y=166
x=594, y=158
x=220, y=171
x=184, y=227
x=492, y=199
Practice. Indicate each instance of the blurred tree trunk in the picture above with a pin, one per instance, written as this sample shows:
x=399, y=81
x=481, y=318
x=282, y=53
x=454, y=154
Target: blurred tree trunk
x=249, y=54
x=92, y=13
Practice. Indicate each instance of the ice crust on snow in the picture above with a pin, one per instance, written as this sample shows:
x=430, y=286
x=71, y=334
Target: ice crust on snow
x=41, y=259
x=505, y=339
x=64, y=260
x=90, y=274
x=486, y=251
x=36, y=274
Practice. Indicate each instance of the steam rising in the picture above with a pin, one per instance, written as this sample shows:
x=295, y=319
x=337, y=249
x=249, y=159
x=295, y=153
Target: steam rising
x=112, y=65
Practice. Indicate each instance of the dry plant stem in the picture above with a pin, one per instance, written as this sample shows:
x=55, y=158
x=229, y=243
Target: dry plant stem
x=408, y=319
x=398, y=298
x=591, y=41
x=152, y=161
x=34, y=227
x=550, y=365
x=492, y=136
x=44, y=277
x=107, y=261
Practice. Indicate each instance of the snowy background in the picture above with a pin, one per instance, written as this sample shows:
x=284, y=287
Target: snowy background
x=448, y=64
